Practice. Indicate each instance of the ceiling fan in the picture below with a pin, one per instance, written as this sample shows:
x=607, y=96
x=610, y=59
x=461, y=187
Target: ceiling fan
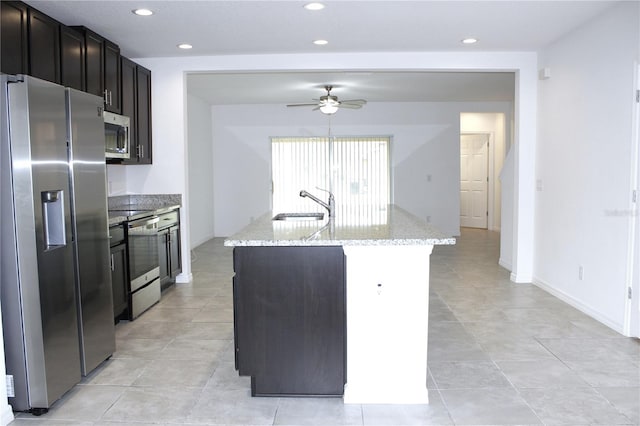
x=329, y=104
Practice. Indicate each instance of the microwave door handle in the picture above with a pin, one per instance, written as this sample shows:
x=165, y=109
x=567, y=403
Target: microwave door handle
x=122, y=137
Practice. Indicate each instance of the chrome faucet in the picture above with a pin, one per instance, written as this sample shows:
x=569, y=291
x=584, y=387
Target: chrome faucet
x=330, y=206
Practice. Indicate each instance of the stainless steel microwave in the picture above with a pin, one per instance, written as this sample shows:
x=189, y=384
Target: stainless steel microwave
x=117, y=135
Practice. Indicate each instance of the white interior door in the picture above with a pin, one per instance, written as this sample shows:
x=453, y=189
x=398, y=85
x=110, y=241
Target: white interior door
x=474, y=177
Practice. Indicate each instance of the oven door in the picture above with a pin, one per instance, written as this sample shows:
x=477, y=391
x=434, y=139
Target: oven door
x=143, y=252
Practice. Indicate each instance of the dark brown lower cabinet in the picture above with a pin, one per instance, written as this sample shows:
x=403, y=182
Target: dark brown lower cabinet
x=169, y=255
x=119, y=273
x=289, y=319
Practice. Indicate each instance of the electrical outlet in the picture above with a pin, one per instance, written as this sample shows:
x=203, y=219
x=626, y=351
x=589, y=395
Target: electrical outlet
x=428, y=219
x=580, y=272
x=428, y=178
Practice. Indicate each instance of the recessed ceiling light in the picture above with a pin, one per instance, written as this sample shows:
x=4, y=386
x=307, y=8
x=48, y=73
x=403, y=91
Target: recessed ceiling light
x=320, y=42
x=142, y=12
x=314, y=6
x=469, y=40
x=185, y=46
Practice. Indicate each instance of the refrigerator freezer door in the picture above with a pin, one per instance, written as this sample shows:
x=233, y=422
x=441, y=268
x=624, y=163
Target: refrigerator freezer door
x=90, y=228
x=38, y=294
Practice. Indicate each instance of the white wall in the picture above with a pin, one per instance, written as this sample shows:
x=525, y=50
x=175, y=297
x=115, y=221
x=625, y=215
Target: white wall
x=116, y=179
x=583, y=157
x=200, y=170
x=495, y=126
x=425, y=141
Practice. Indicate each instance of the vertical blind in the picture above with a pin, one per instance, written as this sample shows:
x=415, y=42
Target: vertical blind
x=355, y=169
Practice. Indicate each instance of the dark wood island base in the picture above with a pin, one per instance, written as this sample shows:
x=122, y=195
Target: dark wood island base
x=290, y=319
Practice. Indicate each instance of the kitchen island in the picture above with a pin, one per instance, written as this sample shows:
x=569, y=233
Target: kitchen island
x=335, y=307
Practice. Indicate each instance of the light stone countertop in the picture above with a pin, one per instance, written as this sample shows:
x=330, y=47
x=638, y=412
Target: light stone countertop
x=389, y=225
x=123, y=208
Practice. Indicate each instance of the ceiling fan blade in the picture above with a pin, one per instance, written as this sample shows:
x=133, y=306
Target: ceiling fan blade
x=330, y=100
x=350, y=106
x=302, y=105
x=354, y=101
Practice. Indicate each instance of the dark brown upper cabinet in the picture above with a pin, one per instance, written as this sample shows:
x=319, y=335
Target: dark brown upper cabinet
x=129, y=98
x=72, y=58
x=112, y=77
x=13, y=38
x=44, y=46
x=94, y=62
x=143, y=119
x=129, y=107
x=35, y=44
x=136, y=104
x=102, y=64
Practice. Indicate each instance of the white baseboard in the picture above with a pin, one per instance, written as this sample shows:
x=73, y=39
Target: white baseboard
x=519, y=279
x=579, y=305
x=184, y=278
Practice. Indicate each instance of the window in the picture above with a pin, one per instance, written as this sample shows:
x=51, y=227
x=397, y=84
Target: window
x=359, y=175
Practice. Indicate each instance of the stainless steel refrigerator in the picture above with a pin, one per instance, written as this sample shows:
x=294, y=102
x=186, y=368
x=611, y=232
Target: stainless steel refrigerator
x=55, y=273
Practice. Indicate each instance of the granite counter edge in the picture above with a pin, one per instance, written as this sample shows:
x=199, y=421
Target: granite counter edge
x=342, y=243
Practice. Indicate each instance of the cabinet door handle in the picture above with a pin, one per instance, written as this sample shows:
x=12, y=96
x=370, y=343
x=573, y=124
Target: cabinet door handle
x=113, y=268
x=106, y=97
x=141, y=151
x=110, y=97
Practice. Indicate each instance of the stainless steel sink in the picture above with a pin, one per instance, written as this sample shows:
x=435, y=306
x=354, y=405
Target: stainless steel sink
x=299, y=216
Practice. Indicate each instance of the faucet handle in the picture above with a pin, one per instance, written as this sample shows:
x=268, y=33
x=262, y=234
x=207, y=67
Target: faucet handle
x=324, y=190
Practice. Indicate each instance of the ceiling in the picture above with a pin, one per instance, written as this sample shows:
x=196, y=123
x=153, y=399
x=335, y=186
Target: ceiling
x=216, y=27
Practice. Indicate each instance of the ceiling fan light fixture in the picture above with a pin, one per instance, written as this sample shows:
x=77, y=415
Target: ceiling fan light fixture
x=329, y=104
x=329, y=108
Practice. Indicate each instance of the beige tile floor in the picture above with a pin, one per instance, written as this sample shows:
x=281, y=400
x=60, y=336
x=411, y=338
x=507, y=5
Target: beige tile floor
x=499, y=353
